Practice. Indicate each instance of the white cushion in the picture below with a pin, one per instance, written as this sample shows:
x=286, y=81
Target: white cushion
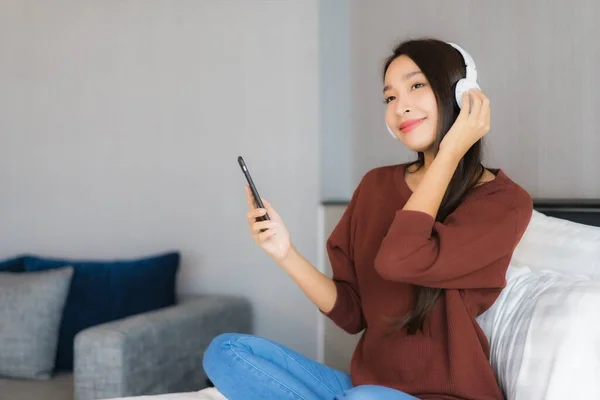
x=545, y=336
x=540, y=346
x=205, y=394
x=559, y=245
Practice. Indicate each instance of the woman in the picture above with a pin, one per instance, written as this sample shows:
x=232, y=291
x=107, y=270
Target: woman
x=420, y=252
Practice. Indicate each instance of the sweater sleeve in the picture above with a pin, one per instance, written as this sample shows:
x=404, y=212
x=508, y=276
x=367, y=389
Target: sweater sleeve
x=471, y=249
x=347, y=311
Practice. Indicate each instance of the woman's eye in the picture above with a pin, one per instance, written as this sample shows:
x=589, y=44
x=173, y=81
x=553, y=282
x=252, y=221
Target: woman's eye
x=417, y=85
x=389, y=98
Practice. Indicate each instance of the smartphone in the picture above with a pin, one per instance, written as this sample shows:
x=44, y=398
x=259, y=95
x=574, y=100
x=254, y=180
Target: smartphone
x=257, y=201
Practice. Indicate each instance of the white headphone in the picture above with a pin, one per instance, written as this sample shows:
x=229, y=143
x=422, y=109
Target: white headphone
x=463, y=85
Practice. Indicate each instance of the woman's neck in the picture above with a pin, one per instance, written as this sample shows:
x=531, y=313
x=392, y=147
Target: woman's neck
x=427, y=160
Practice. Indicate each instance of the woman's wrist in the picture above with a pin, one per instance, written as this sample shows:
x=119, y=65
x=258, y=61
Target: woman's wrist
x=450, y=155
x=289, y=259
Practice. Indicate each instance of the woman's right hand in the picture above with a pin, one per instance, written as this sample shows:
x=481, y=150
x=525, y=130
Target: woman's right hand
x=275, y=241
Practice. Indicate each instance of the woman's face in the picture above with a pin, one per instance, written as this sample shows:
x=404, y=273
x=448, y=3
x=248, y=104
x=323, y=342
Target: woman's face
x=412, y=110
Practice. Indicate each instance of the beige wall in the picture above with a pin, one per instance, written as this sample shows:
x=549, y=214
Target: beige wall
x=120, y=125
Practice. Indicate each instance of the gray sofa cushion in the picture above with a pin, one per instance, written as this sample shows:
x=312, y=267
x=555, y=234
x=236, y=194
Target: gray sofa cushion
x=30, y=314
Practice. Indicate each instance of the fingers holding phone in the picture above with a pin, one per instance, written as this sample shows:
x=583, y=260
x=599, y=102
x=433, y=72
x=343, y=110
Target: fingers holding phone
x=256, y=221
x=266, y=226
x=271, y=235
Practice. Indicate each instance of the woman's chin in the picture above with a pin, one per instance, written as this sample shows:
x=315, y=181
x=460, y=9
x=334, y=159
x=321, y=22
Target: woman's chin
x=418, y=147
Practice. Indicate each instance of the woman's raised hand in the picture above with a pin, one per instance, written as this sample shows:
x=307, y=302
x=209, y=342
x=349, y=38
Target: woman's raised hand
x=472, y=124
x=274, y=238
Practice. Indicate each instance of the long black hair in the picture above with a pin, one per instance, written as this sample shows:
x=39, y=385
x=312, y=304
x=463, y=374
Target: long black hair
x=443, y=66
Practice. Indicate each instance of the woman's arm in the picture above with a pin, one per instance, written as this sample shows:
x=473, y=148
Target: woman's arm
x=274, y=238
x=337, y=298
x=319, y=288
x=472, y=247
x=472, y=124
x=428, y=196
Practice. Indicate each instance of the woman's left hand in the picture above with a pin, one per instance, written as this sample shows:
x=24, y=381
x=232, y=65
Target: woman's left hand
x=472, y=123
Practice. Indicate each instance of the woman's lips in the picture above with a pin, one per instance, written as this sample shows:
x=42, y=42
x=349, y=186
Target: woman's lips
x=411, y=124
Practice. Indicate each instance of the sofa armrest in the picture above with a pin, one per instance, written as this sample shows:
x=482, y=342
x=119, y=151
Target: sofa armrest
x=155, y=352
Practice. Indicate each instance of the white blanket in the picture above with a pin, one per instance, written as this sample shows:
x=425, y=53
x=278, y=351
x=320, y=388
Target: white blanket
x=206, y=394
x=544, y=334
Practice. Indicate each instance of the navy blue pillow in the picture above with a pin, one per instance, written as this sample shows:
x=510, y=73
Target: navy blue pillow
x=104, y=291
x=16, y=264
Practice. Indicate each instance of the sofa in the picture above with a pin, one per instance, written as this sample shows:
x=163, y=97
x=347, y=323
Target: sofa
x=150, y=353
x=88, y=329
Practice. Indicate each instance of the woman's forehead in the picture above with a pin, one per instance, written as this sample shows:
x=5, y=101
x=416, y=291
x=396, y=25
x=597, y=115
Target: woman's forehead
x=403, y=68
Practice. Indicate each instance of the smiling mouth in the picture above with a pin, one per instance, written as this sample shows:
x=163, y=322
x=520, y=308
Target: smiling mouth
x=407, y=127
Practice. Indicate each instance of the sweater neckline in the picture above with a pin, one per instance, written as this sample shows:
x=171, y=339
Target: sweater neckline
x=405, y=190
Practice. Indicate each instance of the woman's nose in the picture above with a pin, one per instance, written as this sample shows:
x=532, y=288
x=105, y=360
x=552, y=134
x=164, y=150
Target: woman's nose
x=402, y=108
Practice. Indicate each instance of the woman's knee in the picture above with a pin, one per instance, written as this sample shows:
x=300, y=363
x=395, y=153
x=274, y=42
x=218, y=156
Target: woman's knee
x=373, y=392
x=217, y=349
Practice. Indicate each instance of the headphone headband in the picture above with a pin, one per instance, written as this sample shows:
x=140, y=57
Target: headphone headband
x=469, y=63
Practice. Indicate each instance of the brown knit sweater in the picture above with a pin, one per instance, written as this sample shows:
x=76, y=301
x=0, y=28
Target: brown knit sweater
x=380, y=253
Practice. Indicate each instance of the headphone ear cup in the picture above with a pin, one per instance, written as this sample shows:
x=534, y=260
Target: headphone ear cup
x=463, y=86
x=391, y=131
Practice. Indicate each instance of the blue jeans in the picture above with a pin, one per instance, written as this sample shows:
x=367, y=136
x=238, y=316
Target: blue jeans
x=246, y=367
